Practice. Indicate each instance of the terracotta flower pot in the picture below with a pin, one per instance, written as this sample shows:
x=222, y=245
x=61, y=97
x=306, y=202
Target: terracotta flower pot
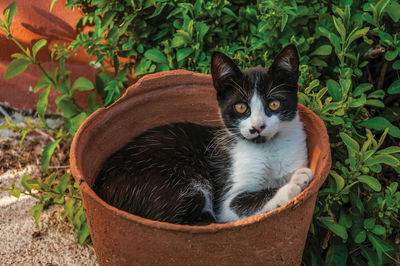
x=121, y=238
x=33, y=22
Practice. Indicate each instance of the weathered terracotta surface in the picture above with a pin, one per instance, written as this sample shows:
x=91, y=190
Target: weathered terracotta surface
x=120, y=238
x=33, y=22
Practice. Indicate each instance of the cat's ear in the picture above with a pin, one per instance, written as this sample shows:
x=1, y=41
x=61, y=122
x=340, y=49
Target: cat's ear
x=286, y=62
x=223, y=70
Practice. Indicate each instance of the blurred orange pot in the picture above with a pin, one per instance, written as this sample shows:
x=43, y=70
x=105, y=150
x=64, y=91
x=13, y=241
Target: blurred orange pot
x=33, y=22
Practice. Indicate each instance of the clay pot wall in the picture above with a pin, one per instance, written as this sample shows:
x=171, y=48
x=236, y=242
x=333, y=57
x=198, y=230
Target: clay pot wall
x=274, y=238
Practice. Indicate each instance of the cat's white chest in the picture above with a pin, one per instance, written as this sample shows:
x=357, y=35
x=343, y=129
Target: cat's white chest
x=257, y=166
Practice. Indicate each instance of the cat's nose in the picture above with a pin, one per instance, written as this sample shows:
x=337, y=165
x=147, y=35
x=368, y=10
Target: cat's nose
x=257, y=129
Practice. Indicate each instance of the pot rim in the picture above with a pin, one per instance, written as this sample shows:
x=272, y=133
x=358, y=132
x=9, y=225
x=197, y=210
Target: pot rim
x=140, y=88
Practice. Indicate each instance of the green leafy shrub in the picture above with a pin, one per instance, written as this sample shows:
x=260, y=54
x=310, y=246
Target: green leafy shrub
x=350, y=61
x=50, y=189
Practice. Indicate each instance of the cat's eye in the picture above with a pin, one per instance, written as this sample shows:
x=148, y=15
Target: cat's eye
x=274, y=105
x=241, y=108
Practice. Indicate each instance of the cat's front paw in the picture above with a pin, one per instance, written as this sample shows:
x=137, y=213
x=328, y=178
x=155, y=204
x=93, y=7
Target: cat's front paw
x=302, y=177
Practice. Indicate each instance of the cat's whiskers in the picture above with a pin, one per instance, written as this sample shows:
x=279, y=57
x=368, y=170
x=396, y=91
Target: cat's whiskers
x=270, y=92
x=222, y=139
x=239, y=88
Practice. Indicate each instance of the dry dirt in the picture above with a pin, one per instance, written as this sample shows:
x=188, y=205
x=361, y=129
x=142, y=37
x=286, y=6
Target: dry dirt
x=21, y=242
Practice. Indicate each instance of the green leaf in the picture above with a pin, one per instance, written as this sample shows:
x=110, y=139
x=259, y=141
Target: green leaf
x=318, y=62
x=323, y=50
x=390, y=150
x=77, y=221
x=36, y=47
x=82, y=84
x=339, y=27
x=376, y=103
x=43, y=82
x=335, y=41
x=383, y=158
x=350, y=143
x=178, y=41
x=15, y=192
x=396, y=65
x=67, y=106
x=47, y=153
x=63, y=183
x=183, y=53
x=334, y=90
x=92, y=102
x=336, y=255
x=345, y=219
x=23, y=135
x=393, y=10
x=338, y=179
x=59, y=199
x=360, y=237
x=42, y=103
x=142, y=67
x=381, y=123
x=386, y=38
x=285, y=18
x=357, y=34
x=69, y=207
x=107, y=19
x=76, y=121
x=369, y=223
x=372, y=182
x=156, y=55
x=50, y=179
x=370, y=255
x=9, y=13
x=52, y=4
x=363, y=87
x=35, y=211
x=83, y=233
x=158, y=10
x=202, y=30
x=345, y=84
x=357, y=102
x=16, y=67
x=390, y=55
x=380, y=246
x=379, y=230
x=25, y=182
x=377, y=94
x=337, y=229
x=394, y=87
x=229, y=12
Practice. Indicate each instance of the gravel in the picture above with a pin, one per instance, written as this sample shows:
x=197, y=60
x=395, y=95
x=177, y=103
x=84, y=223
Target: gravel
x=21, y=242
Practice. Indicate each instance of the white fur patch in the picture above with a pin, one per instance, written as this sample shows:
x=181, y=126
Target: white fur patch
x=257, y=119
x=259, y=166
x=208, y=206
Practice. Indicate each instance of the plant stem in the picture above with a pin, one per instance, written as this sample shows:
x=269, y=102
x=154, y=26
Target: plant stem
x=33, y=61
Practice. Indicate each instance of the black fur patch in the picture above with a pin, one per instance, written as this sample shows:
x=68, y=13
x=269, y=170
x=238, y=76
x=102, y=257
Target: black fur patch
x=279, y=82
x=247, y=203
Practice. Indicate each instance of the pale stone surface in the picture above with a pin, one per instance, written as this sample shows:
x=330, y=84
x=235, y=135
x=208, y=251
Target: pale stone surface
x=21, y=242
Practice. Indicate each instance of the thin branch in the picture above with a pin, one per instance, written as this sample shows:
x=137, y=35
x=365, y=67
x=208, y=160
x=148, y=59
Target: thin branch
x=374, y=52
x=59, y=167
x=382, y=75
x=41, y=132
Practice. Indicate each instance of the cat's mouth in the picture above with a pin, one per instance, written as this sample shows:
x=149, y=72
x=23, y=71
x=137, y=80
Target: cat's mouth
x=259, y=139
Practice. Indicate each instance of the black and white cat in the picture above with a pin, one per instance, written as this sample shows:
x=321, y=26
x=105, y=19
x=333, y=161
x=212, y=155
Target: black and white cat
x=186, y=173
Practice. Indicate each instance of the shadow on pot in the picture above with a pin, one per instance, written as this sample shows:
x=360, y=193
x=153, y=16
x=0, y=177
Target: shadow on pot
x=274, y=238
